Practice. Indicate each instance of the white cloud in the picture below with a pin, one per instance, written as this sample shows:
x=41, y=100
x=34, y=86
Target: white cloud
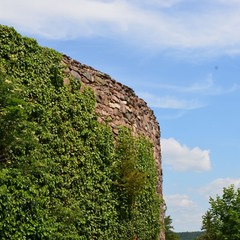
x=212, y=29
x=169, y=102
x=67, y=19
x=185, y=213
x=205, y=87
x=209, y=87
x=181, y=158
x=215, y=187
x=197, y=87
x=179, y=200
x=158, y=3
x=229, y=2
x=171, y=116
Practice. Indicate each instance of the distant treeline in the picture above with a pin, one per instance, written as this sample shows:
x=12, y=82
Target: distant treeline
x=189, y=235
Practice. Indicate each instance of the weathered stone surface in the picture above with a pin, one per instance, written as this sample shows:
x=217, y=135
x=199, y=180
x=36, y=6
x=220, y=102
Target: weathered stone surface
x=118, y=105
x=75, y=74
x=114, y=105
x=88, y=76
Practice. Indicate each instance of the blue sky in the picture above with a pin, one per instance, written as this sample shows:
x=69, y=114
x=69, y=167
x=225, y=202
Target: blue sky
x=182, y=57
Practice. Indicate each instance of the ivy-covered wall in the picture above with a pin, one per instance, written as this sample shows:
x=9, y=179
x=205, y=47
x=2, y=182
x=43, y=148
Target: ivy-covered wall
x=119, y=105
x=62, y=174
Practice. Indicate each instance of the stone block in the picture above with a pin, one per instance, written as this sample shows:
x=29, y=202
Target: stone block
x=75, y=75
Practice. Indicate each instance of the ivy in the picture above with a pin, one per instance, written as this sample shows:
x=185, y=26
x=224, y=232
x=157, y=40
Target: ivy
x=62, y=175
x=135, y=185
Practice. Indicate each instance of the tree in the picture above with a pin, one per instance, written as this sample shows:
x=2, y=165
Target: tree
x=222, y=220
x=169, y=234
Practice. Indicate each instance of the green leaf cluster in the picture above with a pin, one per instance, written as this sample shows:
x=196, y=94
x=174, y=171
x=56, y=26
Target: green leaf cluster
x=62, y=175
x=169, y=233
x=135, y=183
x=222, y=220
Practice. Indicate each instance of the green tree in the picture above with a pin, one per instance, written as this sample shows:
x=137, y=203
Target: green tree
x=222, y=220
x=169, y=233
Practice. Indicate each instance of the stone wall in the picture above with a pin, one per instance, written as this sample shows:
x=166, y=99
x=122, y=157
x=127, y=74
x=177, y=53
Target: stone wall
x=119, y=105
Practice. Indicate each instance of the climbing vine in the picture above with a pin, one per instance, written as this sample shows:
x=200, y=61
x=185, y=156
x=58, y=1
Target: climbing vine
x=136, y=180
x=62, y=175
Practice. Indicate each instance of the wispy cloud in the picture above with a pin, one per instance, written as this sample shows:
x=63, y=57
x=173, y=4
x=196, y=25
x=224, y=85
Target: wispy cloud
x=174, y=115
x=196, y=87
x=170, y=102
x=215, y=187
x=179, y=200
x=181, y=158
x=184, y=212
x=205, y=87
x=188, y=97
x=229, y=2
x=157, y=3
x=211, y=28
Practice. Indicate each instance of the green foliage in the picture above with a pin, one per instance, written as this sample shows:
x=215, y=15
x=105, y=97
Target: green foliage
x=130, y=178
x=135, y=186
x=222, y=220
x=169, y=233
x=55, y=175
x=61, y=174
x=189, y=235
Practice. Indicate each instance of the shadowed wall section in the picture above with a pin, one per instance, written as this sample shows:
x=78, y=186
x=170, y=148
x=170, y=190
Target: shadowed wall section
x=119, y=105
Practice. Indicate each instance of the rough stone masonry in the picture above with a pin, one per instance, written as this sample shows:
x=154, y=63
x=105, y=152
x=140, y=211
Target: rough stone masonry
x=120, y=106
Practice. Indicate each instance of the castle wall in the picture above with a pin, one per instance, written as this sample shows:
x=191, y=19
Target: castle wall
x=119, y=105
